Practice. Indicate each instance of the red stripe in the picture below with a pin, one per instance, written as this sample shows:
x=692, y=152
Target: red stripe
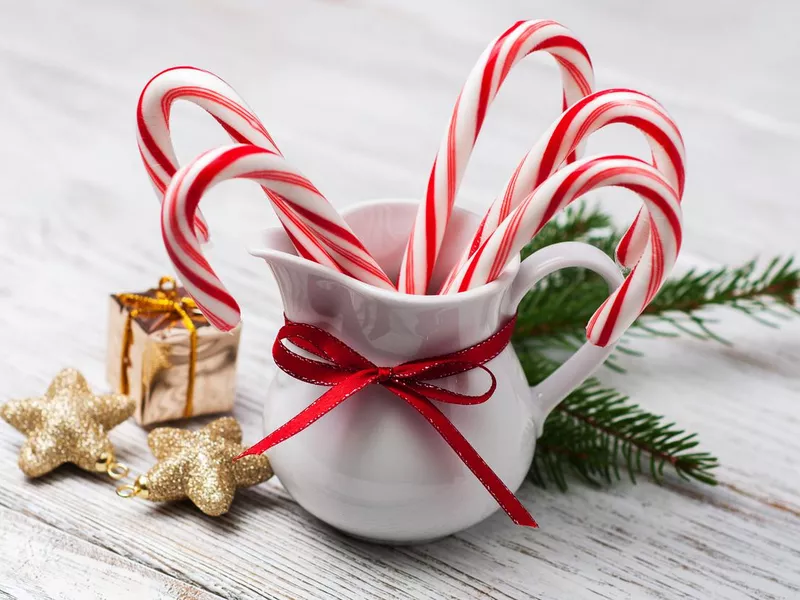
x=663, y=140
x=507, y=241
x=565, y=41
x=477, y=239
x=551, y=46
x=470, y=272
x=513, y=53
x=625, y=243
x=283, y=177
x=486, y=93
x=662, y=204
x=188, y=92
x=288, y=207
x=194, y=92
x=188, y=276
x=149, y=142
x=191, y=200
x=170, y=207
x=657, y=269
x=409, y=279
x=355, y=259
x=160, y=185
x=488, y=75
x=652, y=195
x=505, y=206
x=234, y=135
x=451, y=155
x=550, y=156
x=558, y=196
x=574, y=73
x=285, y=213
x=430, y=232
x=510, y=234
x=326, y=225
x=292, y=208
x=505, y=245
x=594, y=318
x=448, y=282
x=548, y=161
x=613, y=313
x=298, y=246
x=559, y=200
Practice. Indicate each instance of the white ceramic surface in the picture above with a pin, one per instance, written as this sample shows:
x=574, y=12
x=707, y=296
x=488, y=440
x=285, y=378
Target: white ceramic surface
x=373, y=467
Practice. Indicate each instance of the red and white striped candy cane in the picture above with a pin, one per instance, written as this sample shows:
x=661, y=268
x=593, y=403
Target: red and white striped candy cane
x=479, y=91
x=205, y=90
x=273, y=173
x=314, y=238
x=571, y=129
x=626, y=303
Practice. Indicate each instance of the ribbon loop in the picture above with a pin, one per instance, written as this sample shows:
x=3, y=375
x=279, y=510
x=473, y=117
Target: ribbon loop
x=347, y=372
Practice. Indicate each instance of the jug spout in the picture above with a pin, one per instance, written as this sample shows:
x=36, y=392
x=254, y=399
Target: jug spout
x=277, y=250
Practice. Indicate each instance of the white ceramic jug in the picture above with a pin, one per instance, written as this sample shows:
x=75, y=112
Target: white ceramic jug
x=373, y=467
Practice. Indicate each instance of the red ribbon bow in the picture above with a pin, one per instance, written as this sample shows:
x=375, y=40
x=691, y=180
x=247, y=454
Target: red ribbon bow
x=347, y=372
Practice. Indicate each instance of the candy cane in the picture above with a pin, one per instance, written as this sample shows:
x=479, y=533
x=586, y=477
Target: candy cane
x=479, y=91
x=208, y=91
x=273, y=173
x=571, y=129
x=205, y=90
x=625, y=304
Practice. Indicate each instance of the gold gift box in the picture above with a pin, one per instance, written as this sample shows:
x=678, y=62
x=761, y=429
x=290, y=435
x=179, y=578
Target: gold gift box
x=165, y=355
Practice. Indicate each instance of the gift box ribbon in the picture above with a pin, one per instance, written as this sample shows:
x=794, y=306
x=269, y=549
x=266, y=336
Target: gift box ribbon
x=167, y=302
x=347, y=372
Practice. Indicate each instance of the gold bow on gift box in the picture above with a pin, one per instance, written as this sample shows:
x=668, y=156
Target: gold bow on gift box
x=155, y=348
x=170, y=306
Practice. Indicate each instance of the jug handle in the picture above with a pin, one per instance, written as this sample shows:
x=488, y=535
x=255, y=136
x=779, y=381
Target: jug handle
x=547, y=394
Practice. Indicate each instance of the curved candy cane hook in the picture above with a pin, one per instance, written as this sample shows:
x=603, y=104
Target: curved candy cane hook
x=627, y=302
x=480, y=89
x=301, y=200
x=580, y=121
x=208, y=92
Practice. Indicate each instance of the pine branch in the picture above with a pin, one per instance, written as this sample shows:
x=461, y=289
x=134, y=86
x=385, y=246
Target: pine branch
x=558, y=309
x=768, y=292
x=596, y=430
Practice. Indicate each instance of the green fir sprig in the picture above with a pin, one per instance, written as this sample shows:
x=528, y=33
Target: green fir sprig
x=596, y=431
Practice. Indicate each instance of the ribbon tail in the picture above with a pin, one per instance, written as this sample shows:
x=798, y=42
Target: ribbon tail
x=314, y=411
x=461, y=446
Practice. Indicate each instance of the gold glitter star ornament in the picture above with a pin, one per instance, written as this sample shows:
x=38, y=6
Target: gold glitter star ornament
x=68, y=424
x=199, y=465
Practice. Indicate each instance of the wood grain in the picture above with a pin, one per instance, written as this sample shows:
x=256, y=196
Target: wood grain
x=357, y=94
x=27, y=545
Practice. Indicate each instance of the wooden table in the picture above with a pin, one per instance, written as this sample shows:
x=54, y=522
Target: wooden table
x=358, y=94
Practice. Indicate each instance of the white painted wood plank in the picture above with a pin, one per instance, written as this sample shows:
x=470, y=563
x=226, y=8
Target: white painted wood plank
x=640, y=541
x=357, y=95
x=39, y=561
